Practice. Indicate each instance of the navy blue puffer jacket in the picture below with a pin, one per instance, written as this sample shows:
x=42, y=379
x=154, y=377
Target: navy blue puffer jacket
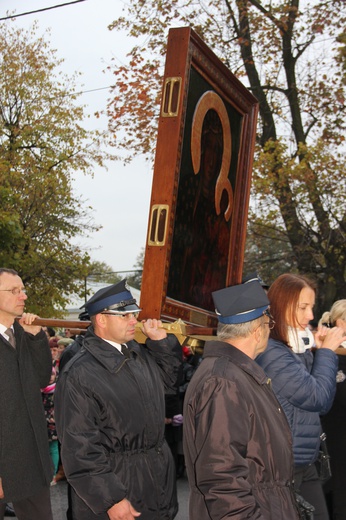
x=304, y=385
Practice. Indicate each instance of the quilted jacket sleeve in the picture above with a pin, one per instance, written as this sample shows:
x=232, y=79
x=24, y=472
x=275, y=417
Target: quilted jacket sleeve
x=311, y=391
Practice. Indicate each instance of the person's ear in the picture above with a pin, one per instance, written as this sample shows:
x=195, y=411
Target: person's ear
x=341, y=323
x=258, y=333
x=100, y=321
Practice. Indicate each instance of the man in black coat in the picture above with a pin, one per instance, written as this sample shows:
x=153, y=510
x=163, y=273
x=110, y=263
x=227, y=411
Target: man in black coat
x=25, y=366
x=110, y=413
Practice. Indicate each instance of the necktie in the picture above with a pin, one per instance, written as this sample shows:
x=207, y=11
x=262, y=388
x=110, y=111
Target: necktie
x=11, y=337
x=125, y=350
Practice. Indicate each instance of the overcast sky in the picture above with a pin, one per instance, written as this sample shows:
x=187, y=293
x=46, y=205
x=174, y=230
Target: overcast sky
x=121, y=196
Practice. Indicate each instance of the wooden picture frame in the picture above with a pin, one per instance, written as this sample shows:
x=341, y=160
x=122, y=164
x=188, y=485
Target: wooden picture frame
x=201, y=184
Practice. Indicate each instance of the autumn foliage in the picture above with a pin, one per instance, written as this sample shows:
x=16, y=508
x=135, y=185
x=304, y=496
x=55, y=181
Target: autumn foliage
x=291, y=55
x=42, y=144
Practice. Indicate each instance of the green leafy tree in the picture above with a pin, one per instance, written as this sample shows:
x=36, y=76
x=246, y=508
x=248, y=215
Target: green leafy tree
x=42, y=144
x=290, y=54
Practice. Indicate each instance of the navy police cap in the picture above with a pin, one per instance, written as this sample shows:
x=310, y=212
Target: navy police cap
x=116, y=297
x=240, y=303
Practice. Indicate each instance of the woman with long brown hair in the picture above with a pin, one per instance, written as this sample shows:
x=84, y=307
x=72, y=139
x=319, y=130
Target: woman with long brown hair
x=304, y=383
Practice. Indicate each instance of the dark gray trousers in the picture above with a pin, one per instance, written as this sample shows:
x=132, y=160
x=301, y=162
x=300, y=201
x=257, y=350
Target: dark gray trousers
x=37, y=507
x=309, y=486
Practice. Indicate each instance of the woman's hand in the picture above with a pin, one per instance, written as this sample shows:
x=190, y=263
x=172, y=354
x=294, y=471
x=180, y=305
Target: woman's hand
x=329, y=338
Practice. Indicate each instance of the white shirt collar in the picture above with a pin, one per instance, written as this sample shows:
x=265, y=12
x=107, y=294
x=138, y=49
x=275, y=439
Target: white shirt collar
x=3, y=329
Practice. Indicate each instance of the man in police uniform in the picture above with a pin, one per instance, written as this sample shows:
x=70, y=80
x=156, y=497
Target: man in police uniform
x=237, y=442
x=110, y=411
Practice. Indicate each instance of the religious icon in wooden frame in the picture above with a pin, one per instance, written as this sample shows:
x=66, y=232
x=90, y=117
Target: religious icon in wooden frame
x=201, y=184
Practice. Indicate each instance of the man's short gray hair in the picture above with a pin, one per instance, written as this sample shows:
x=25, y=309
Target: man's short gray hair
x=8, y=271
x=237, y=330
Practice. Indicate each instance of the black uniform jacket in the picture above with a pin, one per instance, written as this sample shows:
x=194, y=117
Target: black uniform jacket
x=110, y=414
x=25, y=463
x=237, y=442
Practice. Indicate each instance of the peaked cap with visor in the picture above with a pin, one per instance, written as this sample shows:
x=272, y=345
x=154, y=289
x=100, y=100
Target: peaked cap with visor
x=240, y=303
x=115, y=298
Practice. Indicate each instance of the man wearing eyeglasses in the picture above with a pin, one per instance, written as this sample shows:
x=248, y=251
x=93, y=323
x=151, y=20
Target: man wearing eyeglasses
x=25, y=366
x=110, y=411
x=237, y=442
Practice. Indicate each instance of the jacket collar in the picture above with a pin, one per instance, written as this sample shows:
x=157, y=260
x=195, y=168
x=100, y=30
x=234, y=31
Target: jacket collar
x=237, y=357
x=105, y=353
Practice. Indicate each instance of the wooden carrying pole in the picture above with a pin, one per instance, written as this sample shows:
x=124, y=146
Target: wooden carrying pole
x=66, y=324
x=191, y=335
x=77, y=324
x=186, y=334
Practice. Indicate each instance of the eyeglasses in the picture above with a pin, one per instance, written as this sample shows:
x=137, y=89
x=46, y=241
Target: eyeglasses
x=271, y=322
x=15, y=291
x=126, y=316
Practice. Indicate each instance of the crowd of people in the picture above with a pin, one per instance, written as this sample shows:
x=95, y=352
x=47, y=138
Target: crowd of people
x=121, y=421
